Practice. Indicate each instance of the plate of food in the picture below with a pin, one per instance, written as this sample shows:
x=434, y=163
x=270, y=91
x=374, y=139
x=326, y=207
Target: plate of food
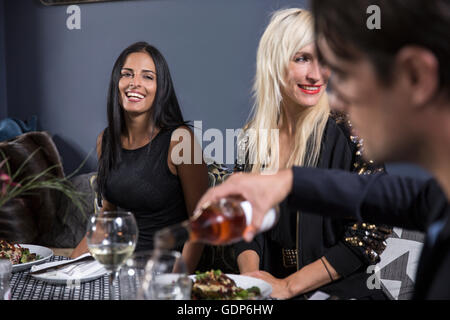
x=216, y=285
x=23, y=256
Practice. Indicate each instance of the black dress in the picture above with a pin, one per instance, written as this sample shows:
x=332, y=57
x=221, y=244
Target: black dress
x=143, y=184
x=301, y=238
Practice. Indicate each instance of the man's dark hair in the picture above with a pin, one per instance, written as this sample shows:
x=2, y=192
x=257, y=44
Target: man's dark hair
x=424, y=23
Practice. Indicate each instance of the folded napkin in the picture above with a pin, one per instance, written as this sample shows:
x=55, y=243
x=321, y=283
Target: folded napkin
x=75, y=270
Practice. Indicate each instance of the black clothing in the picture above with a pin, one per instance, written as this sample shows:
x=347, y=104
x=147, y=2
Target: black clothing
x=143, y=184
x=315, y=236
x=380, y=198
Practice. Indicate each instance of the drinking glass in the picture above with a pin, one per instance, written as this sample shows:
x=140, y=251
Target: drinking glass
x=131, y=275
x=166, y=277
x=111, y=239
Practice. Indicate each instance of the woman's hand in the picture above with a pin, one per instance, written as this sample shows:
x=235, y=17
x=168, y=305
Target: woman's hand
x=280, y=287
x=307, y=279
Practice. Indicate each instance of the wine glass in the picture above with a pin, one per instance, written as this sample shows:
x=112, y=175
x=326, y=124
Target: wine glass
x=166, y=277
x=111, y=239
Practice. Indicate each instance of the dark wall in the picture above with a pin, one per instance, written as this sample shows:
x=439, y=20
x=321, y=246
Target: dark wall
x=62, y=75
x=3, y=99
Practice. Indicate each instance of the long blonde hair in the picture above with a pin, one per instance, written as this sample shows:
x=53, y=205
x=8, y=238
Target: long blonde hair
x=289, y=30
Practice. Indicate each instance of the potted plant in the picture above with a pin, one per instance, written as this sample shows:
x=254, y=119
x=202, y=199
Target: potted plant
x=17, y=222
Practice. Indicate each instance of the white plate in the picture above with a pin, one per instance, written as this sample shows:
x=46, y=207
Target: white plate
x=246, y=282
x=44, y=252
x=56, y=277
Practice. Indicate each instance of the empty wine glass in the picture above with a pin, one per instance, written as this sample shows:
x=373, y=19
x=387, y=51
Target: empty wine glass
x=111, y=239
x=166, y=277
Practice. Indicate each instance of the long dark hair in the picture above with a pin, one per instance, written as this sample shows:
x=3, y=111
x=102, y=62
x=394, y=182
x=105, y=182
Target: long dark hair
x=165, y=111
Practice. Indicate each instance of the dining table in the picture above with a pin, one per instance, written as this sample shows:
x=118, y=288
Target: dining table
x=25, y=287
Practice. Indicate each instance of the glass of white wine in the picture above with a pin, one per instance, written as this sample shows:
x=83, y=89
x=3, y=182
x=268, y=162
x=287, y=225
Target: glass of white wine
x=111, y=239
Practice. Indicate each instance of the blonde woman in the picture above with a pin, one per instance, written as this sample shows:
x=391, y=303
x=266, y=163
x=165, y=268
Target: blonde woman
x=291, y=125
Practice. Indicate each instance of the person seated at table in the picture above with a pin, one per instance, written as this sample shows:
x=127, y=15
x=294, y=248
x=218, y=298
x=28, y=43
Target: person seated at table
x=142, y=168
x=292, y=102
x=402, y=116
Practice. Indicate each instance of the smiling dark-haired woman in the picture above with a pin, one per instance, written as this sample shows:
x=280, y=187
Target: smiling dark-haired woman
x=140, y=167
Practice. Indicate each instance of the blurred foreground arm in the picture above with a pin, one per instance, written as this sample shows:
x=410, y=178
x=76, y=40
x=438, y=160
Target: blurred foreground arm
x=378, y=198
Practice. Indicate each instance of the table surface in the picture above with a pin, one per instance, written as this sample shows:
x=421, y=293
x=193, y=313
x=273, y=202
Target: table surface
x=26, y=287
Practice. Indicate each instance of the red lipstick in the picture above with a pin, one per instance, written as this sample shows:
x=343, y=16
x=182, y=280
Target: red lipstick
x=310, y=89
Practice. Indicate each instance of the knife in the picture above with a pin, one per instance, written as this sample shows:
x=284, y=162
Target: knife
x=63, y=264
